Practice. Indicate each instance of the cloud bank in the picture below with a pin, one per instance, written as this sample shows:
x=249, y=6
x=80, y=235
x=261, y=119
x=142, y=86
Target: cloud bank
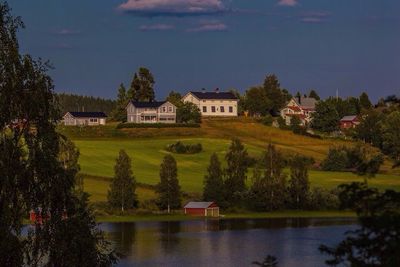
x=173, y=7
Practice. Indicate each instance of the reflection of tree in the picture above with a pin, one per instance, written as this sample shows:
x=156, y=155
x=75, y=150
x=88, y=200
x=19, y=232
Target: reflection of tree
x=169, y=239
x=124, y=236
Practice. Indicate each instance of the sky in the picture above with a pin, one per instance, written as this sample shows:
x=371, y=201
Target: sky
x=346, y=45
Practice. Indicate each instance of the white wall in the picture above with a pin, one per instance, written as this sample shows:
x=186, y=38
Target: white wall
x=221, y=107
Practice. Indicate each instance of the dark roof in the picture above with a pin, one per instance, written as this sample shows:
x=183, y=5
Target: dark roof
x=154, y=104
x=88, y=114
x=214, y=95
x=349, y=118
x=198, y=205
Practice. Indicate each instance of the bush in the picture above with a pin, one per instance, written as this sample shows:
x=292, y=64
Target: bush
x=266, y=120
x=282, y=124
x=188, y=113
x=181, y=148
x=157, y=125
x=337, y=160
x=323, y=199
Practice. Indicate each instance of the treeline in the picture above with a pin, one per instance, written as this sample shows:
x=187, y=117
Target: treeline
x=72, y=102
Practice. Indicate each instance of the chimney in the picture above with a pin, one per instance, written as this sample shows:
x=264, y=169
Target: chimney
x=299, y=98
x=217, y=90
x=203, y=90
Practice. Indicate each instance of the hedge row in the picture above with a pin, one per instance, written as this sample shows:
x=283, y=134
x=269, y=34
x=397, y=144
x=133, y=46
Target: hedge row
x=158, y=125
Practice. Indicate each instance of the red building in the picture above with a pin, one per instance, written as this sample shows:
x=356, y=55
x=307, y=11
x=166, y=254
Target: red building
x=206, y=209
x=348, y=122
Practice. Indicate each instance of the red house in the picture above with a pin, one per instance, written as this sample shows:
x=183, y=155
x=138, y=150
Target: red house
x=348, y=122
x=206, y=209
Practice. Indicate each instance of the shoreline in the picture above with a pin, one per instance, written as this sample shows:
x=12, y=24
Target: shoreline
x=261, y=215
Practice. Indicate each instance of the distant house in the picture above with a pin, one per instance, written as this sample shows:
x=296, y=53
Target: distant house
x=348, y=122
x=151, y=112
x=301, y=107
x=207, y=209
x=222, y=104
x=84, y=118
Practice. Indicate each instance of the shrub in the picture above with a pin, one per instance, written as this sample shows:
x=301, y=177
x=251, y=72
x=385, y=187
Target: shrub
x=266, y=120
x=181, y=148
x=282, y=124
x=157, y=125
x=336, y=160
x=323, y=199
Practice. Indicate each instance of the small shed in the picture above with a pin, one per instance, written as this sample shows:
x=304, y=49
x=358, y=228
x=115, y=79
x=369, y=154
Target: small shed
x=206, y=209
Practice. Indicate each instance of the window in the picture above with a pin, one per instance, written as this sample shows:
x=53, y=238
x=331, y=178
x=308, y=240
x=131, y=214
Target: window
x=204, y=109
x=222, y=109
x=230, y=109
x=212, y=109
x=169, y=109
x=93, y=120
x=164, y=109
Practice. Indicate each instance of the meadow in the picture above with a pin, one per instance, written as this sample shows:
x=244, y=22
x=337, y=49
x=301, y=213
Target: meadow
x=99, y=147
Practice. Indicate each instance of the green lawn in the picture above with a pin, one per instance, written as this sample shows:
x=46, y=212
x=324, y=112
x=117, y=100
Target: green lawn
x=98, y=159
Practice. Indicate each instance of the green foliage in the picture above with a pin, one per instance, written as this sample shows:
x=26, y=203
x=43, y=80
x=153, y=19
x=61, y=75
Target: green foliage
x=181, y=148
x=157, y=125
x=119, y=113
x=266, y=120
x=365, y=103
x=242, y=101
x=142, y=86
x=377, y=241
x=168, y=189
x=323, y=199
x=268, y=191
x=370, y=128
x=72, y=102
x=122, y=189
x=325, y=117
x=257, y=102
x=188, y=113
x=38, y=168
x=336, y=160
x=274, y=93
x=391, y=135
x=314, y=94
x=175, y=98
x=299, y=185
x=236, y=172
x=282, y=123
x=295, y=124
x=213, y=182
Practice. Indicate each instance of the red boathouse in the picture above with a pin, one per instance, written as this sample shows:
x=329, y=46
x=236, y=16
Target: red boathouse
x=206, y=209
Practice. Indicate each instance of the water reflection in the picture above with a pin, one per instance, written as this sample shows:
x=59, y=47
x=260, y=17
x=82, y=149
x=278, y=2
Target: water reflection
x=233, y=242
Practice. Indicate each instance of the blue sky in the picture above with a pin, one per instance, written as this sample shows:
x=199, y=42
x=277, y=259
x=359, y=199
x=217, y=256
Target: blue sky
x=350, y=45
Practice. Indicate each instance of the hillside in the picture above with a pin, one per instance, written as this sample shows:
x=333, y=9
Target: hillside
x=99, y=147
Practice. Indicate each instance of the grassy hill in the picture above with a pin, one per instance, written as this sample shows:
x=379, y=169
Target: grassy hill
x=99, y=148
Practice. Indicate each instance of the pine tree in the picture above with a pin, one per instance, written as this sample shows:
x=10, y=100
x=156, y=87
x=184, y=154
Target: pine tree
x=299, y=185
x=119, y=113
x=142, y=86
x=168, y=189
x=314, y=94
x=325, y=117
x=122, y=189
x=213, y=181
x=365, y=103
x=274, y=93
x=236, y=172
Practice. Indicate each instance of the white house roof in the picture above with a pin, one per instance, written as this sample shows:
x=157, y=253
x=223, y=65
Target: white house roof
x=198, y=205
x=349, y=118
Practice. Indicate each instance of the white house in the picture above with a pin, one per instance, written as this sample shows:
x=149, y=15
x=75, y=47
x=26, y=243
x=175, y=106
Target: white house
x=301, y=107
x=151, y=112
x=221, y=104
x=84, y=118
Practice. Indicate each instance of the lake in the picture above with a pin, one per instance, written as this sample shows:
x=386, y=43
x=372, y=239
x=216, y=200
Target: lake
x=228, y=242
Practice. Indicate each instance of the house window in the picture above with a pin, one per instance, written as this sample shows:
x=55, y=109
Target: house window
x=169, y=109
x=230, y=109
x=222, y=109
x=164, y=109
x=204, y=109
x=212, y=109
x=93, y=120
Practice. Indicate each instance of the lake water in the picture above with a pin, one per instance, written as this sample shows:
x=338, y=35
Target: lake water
x=232, y=242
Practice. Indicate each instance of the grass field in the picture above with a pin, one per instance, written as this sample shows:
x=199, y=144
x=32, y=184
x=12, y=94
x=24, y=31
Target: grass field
x=99, y=148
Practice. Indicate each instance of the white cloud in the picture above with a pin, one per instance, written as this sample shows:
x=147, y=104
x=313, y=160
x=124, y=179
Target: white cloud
x=173, y=7
x=209, y=26
x=157, y=27
x=287, y=3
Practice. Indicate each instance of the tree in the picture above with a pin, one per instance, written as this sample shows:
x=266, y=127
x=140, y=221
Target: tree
x=38, y=168
x=188, y=112
x=295, y=124
x=299, y=185
x=242, y=100
x=365, y=103
x=175, y=98
x=336, y=160
x=391, y=136
x=268, y=190
x=119, y=113
x=377, y=241
x=123, y=187
x=236, y=172
x=168, y=189
x=274, y=93
x=325, y=117
x=213, y=182
x=370, y=128
x=257, y=102
x=142, y=86
x=314, y=94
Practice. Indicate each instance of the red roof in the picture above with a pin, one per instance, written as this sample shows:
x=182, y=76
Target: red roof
x=301, y=116
x=294, y=108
